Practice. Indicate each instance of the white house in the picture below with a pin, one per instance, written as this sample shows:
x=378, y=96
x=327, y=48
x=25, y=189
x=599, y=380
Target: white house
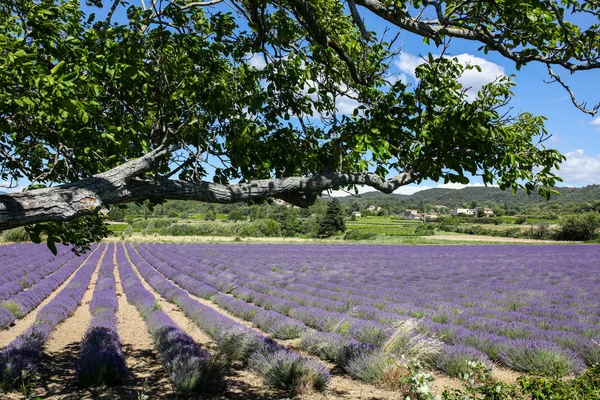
x=411, y=214
x=466, y=211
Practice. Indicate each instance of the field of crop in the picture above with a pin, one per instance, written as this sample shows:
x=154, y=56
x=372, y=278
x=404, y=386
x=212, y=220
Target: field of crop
x=259, y=321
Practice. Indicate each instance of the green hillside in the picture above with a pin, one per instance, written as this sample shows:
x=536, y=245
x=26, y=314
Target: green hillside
x=481, y=195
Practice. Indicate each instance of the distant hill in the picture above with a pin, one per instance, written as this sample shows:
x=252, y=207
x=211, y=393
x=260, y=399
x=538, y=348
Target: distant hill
x=457, y=197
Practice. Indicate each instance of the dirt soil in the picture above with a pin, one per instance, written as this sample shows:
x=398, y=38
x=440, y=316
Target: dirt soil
x=480, y=238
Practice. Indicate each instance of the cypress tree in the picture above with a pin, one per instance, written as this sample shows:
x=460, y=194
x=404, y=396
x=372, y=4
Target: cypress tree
x=334, y=220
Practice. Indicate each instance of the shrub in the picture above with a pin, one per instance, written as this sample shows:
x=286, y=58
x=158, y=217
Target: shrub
x=15, y=235
x=491, y=345
x=357, y=234
x=580, y=227
x=588, y=350
x=289, y=329
x=352, y=350
x=128, y=231
x=327, y=346
x=191, y=368
x=284, y=369
x=7, y=318
x=543, y=358
x=586, y=386
x=210, y=215
x=375, y=367
x=20, y=358
x=236, y=344
x=369, y=332
x=268, y=227
x=101, y=359
x=521, y=220
x=454, y=360
x=14, y=308
x=425, y=230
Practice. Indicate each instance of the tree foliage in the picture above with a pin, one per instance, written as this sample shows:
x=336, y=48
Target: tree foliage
x=580, y=227
x=334, y=221
x=171, y=101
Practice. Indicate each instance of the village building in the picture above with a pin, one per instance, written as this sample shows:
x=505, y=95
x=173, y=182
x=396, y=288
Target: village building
x=466, y=211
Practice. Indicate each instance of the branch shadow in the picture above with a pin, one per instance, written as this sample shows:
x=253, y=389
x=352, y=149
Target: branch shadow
x=56, y=380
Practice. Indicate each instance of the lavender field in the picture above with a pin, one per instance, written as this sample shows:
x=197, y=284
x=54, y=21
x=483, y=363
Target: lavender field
x=353, y=311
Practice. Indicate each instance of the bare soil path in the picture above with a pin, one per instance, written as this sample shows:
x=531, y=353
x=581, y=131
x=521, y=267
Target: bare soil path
x=495, y=239
x=57, y=369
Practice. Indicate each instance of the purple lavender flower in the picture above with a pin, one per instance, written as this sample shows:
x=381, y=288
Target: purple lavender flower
x=454, y=360
x=541, y=357
x=285, y=369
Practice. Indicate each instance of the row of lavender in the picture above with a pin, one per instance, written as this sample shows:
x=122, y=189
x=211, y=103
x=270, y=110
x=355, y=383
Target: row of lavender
x=192, y=369
x=22, y=356
x=19, y=264
x=195, y=369
x=356, y=352
x=101, y=359
x=25, y=283
x=457, y=323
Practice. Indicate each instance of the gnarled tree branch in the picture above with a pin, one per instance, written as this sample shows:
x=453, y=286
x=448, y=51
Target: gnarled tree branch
x=124, y=184
x=436, y=30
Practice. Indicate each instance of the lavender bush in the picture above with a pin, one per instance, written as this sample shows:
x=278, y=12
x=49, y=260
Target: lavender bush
x=454, y=360
x=190, y=367
x=101, y=360
x=542, y=358
x=374, y=366
x=23, y=354
x=487, y=297
x=279, y=366
x=285, y=369
x=328, y=346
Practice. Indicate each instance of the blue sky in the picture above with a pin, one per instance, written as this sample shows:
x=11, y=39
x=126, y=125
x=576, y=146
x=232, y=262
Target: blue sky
x=575, y=134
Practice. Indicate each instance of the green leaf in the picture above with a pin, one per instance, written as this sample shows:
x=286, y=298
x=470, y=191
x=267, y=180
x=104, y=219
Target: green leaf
x=51, y=245
x=57, y=68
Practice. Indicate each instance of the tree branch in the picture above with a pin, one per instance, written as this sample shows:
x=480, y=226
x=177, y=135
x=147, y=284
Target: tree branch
x=123, y=184
x=436, y=31
x=358, y=21
x=110, y=14
x=304, y=14
x=581, y=106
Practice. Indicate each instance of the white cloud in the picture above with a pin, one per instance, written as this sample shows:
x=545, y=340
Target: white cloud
x=5, y=186
x=257, y=61
x=580, y=169
x=471, y=78
x=596, y=121
x=346, y=105
x=407, y=63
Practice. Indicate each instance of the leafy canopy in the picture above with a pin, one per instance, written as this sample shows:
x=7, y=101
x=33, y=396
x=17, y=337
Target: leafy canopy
x=247, y=90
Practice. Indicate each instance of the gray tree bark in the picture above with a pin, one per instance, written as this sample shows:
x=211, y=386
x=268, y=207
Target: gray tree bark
x=124, y=184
